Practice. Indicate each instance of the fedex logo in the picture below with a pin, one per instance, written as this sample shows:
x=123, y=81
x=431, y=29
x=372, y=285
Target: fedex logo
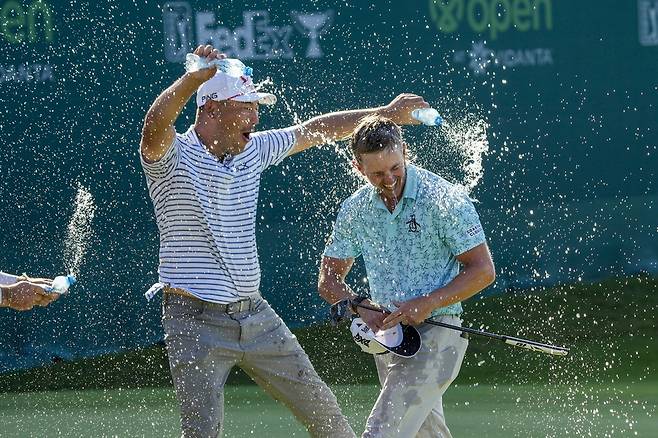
x=257, y=38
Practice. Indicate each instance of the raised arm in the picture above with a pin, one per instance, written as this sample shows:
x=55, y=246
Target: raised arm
x=339, y=125
x=158, y=131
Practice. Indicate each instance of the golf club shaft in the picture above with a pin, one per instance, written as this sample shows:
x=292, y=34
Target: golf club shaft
x=510, y=340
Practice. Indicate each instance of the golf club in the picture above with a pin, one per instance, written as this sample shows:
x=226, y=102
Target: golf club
x=510, y=340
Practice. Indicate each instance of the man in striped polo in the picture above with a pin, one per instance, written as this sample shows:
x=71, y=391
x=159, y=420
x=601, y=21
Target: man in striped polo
x=204, y=187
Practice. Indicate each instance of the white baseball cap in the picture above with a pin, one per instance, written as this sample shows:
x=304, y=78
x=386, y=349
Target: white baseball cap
x=402, y=340
x=226, y=87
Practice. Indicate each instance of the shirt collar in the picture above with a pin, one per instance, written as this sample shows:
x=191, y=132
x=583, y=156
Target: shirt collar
x=410, y=188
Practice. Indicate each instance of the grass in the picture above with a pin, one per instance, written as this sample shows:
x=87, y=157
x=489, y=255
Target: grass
x=539, y=410
x=607, y=386
x=611, y=328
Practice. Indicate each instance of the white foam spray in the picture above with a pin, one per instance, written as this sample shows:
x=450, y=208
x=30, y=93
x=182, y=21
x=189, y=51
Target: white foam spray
x=469, y=136
x=79, y=230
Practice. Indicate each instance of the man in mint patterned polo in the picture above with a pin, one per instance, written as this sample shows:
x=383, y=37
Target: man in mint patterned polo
x=424, y=251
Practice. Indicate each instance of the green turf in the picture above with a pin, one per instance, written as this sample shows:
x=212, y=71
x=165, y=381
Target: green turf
x=611, y=327
x=597, y=410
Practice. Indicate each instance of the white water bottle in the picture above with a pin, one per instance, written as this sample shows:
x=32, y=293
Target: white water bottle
x=61, y=284
x=230, y=66
x=427, y=116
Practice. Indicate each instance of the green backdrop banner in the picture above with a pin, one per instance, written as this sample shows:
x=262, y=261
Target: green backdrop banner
x=551, y=120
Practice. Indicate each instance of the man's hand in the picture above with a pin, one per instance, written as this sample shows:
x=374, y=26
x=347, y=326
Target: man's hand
x=25, y=294
x=400, y=108
x=210, y=53
x=372, y=318
x=412, y=312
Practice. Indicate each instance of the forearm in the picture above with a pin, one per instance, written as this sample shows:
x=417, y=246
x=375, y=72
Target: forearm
x=329, y=127
x=169, y=104
x=333, y=290
x=337, y=125
x=469, y=282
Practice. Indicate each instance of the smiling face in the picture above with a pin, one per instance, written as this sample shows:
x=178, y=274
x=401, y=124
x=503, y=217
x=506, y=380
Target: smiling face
x=385, y=170
x=380, y=154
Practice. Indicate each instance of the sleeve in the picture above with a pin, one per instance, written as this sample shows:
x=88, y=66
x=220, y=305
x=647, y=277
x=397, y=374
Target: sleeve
x=164, y=166
x=7, y=278
x=273, y=146
x=461, y=227
x=343, y=243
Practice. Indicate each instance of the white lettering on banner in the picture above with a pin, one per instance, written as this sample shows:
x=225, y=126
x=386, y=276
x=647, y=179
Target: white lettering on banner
x=648, y=22
x=257, y=38
x=177, y=21
x=26, y=73
x=480, y=57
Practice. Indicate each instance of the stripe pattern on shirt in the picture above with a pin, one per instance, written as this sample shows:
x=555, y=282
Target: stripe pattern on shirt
x=206, y=213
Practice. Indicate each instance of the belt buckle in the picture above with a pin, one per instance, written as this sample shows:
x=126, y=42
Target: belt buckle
x=238, y=306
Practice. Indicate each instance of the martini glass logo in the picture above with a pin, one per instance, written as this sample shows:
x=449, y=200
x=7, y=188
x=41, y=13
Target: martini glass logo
x=312, y=25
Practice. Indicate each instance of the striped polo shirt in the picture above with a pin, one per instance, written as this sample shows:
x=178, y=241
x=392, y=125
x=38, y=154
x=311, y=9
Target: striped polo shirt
x=206, y=213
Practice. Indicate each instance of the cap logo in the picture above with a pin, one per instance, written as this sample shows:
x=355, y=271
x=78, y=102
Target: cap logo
x=361, y=340
x=210, y=96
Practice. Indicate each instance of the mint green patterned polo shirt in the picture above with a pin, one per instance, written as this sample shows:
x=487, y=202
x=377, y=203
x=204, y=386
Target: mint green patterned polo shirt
x=409, y=252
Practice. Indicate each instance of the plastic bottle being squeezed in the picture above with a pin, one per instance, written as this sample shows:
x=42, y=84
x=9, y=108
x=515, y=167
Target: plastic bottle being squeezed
x=427, y=116
x=230, y=66
x=61, y=284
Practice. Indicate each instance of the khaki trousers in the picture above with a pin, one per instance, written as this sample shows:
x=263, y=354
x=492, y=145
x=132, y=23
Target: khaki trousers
x=410, y=402
x=204, y=343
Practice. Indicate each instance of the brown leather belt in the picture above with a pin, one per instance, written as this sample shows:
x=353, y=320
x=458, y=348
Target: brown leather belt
x=242, y=305
x=175, y=291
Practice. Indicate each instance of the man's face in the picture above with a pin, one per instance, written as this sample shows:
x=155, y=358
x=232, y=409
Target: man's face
x=237, y=119
x=385, y=170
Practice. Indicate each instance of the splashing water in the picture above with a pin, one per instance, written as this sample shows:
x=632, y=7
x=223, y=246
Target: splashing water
x=283, y=94
x=79, y=230
x=456, y=150
x=469, y=136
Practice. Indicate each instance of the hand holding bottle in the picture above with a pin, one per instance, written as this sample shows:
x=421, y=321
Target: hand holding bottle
x=400, y=108
x=230, y=66
x=427, y=116
x=23, y=293
x=61, y=284
x=209, y=54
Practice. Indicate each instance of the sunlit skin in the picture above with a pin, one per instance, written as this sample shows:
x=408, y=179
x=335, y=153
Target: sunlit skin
x=224, y=127
x=26, y=293
x=386, y=171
